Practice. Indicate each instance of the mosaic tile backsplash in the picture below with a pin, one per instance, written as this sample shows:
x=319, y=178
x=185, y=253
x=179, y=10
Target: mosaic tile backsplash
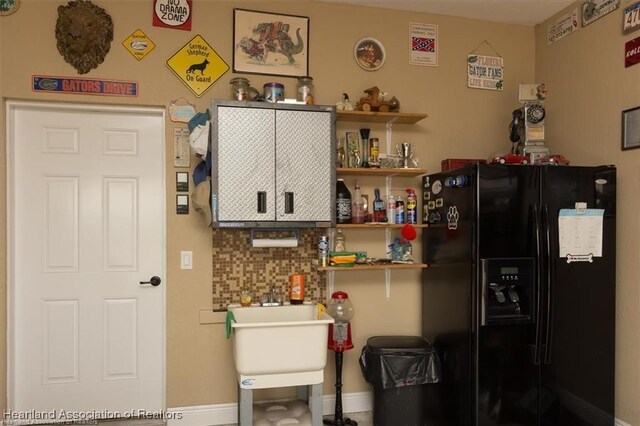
x=237, y=265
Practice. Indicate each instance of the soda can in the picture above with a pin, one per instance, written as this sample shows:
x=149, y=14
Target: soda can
x=323, y=251
x=399, y=211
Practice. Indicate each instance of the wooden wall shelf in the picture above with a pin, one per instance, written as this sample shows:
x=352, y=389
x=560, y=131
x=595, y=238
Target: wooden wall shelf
x=380, y=117
x=393, y=266
x=362, y=171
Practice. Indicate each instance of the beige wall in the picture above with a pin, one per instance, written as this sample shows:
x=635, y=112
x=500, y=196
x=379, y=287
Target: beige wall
x=588, y=88
x=462, y=123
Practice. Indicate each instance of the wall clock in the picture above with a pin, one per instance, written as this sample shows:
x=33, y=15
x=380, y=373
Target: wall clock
x=7, y=7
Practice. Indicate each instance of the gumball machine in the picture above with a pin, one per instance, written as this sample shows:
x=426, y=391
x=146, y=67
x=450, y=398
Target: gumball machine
x=341, y=309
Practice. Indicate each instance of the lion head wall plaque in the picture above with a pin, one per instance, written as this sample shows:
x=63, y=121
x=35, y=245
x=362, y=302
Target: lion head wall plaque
x=84, y=33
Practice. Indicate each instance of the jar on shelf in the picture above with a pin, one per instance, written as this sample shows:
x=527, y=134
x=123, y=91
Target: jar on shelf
x=304, y=90
x=273, y=92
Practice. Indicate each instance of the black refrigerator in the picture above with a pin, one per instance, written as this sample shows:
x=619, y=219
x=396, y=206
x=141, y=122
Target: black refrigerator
x=519, y=293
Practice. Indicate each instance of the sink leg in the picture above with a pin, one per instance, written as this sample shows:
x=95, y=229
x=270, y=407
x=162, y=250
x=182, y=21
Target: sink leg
x=315, y=403
x=245, y=406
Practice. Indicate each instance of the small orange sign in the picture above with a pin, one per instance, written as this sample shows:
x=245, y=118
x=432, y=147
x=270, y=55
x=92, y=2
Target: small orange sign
x=138, y=44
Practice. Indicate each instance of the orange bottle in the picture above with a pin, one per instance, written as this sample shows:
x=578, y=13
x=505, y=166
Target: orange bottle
x=296, y=289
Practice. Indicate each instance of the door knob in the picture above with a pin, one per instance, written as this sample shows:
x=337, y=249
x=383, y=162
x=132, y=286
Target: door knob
x=154, y=281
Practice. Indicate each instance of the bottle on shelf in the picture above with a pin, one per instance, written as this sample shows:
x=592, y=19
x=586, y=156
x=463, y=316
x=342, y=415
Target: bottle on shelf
x=379, y=210
x=357, y=207
x=343, y=202
x=412, y=206
x=364, y=134
x=340, y=243
x=399, y=210
x=391, y=209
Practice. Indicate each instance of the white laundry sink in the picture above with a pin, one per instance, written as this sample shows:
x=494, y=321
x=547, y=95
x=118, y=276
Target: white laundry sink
x=279, y=346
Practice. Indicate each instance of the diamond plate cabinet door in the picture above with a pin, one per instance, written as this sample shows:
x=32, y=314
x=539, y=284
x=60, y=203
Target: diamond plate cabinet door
x=273, y=165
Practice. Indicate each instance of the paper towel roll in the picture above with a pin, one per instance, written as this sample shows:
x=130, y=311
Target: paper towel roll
x=275, y=242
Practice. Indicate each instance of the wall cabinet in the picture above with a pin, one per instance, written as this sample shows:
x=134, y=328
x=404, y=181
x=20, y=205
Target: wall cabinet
x=273, y=165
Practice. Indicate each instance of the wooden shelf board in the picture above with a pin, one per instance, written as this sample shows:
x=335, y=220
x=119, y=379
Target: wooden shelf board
x=381, y=172
x=380, y=117
x=378, y=225
x=375, y=267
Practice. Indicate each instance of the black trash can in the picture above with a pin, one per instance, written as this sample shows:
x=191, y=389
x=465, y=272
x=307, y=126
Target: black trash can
x=404, y=372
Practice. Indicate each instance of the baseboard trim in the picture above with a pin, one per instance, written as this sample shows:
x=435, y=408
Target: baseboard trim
x=622, y=423
x=224, y=414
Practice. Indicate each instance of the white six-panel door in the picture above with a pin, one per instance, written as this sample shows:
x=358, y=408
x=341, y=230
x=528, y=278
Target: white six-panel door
x=86, y=225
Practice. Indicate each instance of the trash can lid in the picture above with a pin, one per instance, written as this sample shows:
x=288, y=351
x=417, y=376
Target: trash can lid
x=394, y=344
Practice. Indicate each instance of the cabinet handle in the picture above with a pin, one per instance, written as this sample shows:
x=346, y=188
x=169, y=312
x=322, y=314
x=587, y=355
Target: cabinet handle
x=262, y=201
x=288, y=203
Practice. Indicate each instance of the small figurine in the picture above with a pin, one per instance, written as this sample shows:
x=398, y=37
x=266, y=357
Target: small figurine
x=344, y=104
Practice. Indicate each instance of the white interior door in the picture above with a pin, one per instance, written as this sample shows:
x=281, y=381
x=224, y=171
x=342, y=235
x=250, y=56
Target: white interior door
x=86, y=226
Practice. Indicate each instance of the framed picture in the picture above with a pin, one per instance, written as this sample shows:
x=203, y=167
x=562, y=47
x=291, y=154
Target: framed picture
x=7, y=7
x=354, y=158
x=369, y=54
x=631, y=128
x=270, y=43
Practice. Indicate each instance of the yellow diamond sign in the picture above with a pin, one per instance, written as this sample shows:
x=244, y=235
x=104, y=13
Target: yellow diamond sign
x=197, y=65
x=138, y=44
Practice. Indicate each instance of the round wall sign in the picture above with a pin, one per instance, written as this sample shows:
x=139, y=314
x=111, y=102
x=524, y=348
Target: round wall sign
x=369, y=54
x=7, y=7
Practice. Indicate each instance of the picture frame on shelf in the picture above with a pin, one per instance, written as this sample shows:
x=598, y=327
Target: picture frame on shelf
x=270, y=43
x=369, y=54
x=631, y=128
x=353, y=150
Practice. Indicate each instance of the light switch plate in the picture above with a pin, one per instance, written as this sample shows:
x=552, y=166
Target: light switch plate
x=186, y=260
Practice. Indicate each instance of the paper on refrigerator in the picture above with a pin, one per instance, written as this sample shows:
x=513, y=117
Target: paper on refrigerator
x=580, y=234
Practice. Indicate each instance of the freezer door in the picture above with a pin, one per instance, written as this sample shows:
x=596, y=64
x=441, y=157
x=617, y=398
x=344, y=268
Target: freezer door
x=579, y=323
x=507, y=376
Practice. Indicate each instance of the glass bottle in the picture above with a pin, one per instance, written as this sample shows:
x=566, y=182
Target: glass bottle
x=340, y=243
x=239, y=89
x=357, y=208
x=343, y=203
x=304, y=92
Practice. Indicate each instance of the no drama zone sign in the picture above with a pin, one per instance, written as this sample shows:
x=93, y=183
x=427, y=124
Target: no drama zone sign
x=197, y=65
x=172, y=14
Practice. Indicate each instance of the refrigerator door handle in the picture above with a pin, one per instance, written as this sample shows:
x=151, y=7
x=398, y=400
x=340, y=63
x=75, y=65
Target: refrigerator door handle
x=549, y=293
x=538, y=317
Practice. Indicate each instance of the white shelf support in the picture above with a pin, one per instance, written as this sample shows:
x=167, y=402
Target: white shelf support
x=330, y=283
x=387, y=283
x=389, y=134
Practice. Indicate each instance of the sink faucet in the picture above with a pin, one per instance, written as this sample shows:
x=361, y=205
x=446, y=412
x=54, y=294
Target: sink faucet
x=271, y=298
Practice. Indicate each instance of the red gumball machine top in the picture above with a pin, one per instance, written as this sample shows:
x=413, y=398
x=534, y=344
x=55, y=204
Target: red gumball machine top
x=341, y=310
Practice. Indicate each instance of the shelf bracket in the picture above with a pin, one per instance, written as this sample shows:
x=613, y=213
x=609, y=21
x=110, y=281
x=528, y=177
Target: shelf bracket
x=330, y=283
x=389, y=133
x=387, y=283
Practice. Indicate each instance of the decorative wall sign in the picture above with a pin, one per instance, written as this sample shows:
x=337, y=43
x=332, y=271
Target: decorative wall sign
x=174, y=14
x=84, y=33
x=423, y=43
x=197, y=65
x=485, y=72
x=369, y=54
x=593, y=10
x=631, y=128
x=8, y=7
x=138, y=44
x=562, y=27
x=631, y=20
x=84, y=86
x=269, y=43
x=632, y=52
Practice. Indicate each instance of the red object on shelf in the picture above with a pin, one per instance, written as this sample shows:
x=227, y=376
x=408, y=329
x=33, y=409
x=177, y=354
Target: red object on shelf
x=455, y=163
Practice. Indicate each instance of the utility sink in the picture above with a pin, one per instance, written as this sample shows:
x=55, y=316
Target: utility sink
x=279, y=346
